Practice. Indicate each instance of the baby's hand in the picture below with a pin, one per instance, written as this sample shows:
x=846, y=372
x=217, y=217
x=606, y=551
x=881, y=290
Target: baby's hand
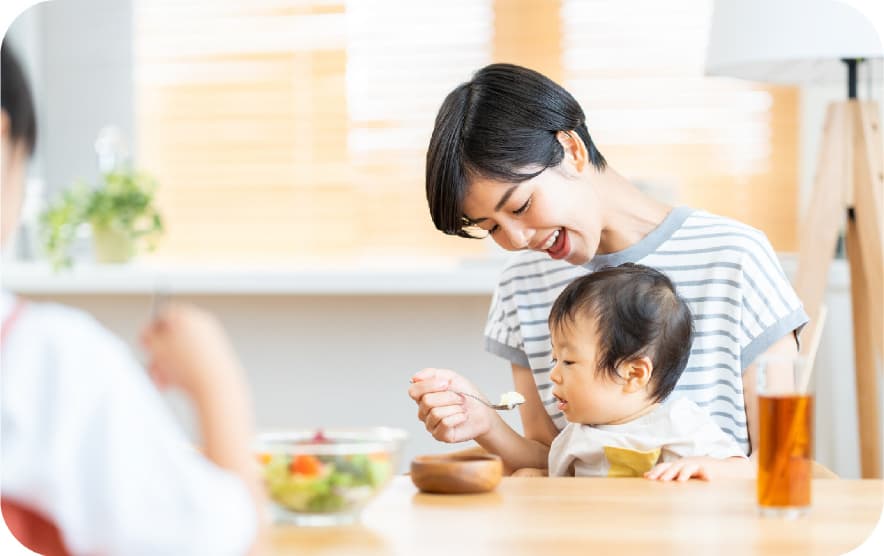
x=682, y=469
x=187, y=349
x=704, y=468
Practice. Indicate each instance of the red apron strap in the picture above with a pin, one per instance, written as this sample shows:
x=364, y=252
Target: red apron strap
x=31, y=529
x=10, y=320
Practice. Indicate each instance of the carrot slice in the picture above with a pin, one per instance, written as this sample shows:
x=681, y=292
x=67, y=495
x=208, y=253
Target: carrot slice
x=306, y=465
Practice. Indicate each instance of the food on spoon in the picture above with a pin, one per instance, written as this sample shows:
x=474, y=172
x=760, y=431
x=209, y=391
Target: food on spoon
x=511, y=398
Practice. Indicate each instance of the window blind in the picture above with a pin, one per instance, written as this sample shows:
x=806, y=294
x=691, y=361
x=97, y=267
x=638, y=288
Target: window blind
x=288, y=129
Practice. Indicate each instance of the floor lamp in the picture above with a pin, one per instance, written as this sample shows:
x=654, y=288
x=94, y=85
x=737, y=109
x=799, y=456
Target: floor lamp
x=812, y=41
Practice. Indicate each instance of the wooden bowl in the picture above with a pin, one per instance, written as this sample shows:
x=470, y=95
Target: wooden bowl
x=456, y=473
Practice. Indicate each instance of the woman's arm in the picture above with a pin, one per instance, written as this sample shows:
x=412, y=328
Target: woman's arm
x=536, y=422
x=784, y=347
x=453, y=418
x=531, y=450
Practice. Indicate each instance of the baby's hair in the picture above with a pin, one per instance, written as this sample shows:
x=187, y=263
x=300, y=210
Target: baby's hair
x=637, y=313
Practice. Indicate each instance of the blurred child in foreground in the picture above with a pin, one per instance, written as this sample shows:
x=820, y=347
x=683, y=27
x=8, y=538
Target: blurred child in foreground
x=92, y=460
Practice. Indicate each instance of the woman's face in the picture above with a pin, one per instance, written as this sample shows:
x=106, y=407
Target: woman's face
x=554, y=212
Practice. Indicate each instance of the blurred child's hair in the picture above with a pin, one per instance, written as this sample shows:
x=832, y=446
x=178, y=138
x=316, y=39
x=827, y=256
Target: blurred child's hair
x=16, y=99
x=637, y=313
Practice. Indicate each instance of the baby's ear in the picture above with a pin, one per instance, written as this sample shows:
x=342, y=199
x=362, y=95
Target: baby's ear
x=637, y=373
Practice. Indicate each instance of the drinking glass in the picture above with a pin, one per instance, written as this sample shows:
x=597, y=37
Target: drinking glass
x=785, y=447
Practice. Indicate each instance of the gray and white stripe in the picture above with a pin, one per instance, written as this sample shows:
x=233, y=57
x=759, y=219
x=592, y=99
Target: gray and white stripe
x=726, y=271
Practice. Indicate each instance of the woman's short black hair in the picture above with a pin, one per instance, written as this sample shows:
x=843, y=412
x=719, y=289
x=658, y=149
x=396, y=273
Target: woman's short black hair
x=500, y=125
x=637, y=314
x=16, y=99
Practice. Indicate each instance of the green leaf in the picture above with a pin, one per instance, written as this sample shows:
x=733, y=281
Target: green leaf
x=123, y=200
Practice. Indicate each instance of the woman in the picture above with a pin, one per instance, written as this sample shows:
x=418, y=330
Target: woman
x=511, y=158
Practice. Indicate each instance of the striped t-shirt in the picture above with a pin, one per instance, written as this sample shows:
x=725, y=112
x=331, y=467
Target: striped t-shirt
x=727, y=272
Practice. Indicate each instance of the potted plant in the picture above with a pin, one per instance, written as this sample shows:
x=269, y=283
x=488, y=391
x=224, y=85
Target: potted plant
x=120, y=211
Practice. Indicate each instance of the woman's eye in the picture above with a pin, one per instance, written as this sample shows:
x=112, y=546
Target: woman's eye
x=493, y=229
x=524, y=207
x=554, y=361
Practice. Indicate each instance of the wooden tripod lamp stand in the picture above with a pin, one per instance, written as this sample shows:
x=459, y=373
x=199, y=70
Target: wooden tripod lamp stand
x=847, y=194
x=807, y=41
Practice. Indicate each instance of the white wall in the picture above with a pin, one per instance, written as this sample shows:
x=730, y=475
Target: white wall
x=78, y=54
x=342, y=360
x=337, y=360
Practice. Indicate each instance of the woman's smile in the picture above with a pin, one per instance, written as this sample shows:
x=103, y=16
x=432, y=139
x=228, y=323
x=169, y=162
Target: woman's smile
x=549, y=241
x=557, y=244
x=561, y=246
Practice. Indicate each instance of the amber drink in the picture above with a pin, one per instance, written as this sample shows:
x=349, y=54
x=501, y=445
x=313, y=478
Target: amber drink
x=784, y=454
x=785, y=443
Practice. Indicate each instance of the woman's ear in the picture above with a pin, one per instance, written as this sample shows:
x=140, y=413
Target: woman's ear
x=575, y=150
x=636, y=374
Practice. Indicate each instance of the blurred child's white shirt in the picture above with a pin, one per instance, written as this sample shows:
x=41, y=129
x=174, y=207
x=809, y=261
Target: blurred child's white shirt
x=676, y=429
x=88, y=442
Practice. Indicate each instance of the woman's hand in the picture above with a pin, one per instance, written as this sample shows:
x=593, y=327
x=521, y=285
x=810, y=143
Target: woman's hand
x=188, y=349
x=448, y=416
x=704, y=468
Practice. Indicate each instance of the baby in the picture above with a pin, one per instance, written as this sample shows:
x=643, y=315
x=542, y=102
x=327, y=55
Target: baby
x=621, y=338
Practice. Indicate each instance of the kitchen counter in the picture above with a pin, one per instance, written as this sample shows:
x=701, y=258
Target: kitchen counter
x=392, y=276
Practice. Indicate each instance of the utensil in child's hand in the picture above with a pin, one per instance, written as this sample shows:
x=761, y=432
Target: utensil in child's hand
x=508, y=400
x=160, y=298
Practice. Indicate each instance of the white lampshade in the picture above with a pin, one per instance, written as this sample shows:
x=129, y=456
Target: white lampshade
x=788, y=41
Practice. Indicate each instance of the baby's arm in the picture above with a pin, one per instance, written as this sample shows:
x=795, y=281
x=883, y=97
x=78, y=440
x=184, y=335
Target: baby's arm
x=706, y=468
x=699, y=448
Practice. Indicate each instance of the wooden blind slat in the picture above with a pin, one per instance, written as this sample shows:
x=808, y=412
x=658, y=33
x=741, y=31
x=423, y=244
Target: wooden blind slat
x=293, y=128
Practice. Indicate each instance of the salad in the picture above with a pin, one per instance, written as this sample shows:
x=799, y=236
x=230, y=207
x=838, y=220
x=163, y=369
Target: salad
x=324, y=483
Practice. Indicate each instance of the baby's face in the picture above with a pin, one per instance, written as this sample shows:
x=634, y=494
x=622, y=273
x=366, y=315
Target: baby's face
x=585, y=395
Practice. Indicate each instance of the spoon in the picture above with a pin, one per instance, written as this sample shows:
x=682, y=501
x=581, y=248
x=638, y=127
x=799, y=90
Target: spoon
x=160, y=298
x=508, y=400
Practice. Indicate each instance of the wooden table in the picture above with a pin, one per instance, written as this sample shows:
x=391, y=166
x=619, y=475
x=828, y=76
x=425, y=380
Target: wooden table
x=538, y=516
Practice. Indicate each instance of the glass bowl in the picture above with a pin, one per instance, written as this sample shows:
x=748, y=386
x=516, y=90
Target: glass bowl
x=326, y=476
